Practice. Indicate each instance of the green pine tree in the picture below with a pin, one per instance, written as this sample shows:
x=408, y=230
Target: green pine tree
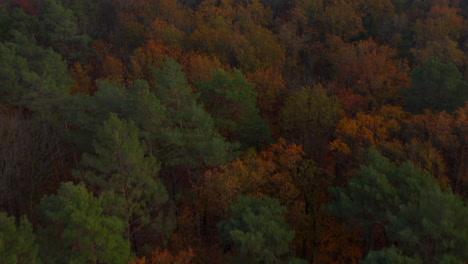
x=258, y=229
x=436, y=86
x=62, y=31
x=17, y=242
x=76, y=230
x=409, y=206
x=189, y=136
x=32, y=77
x=121, y=172
x=231, y=100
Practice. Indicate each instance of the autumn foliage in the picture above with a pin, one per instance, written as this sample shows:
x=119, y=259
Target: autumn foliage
x=180, y=127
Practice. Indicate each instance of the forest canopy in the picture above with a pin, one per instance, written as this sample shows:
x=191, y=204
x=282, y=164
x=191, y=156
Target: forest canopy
x=233, y=131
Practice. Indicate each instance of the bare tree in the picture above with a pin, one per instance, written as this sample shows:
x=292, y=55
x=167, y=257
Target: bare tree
x=30, y=151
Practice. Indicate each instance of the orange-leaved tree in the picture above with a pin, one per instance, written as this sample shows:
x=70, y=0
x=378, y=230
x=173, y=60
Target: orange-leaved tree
x=373, y=71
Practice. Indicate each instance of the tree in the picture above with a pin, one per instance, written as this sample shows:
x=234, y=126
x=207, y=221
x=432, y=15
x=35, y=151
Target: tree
x=435, y=227
x=309, y=117
x=295, y=34
x=441, y=22
x=438, y=32
x=149, y=56
x=257, y=227
x=87, y=17
x=32, y=77
x=271, y=89
x=166, y=257
x=398, y=204
x=237, y=32
x=190, y=138
x=390, y=255
x=176, y=129
x=377, y=17
x=214, y=35
x=382, y=186
x=436, y=86
x=62, y=30
x=340, y=18
x=231, y=100
x=257, y=49
x=76, y=230
x=446, y=49
x=354, y=137
x=446, y=134
x=31, y=153
x=373, y=71
x=269, y=173
x=282, y=172
x=199, y=67
x=135, y=103
x=121, y=170
x=17, y=242
x=14, y=19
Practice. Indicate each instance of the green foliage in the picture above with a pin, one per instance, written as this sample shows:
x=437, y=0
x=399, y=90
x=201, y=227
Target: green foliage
x=257, y=227
x=436, y=227
x=137, y=133
x=77, y=231
x=190, y=137
x=376, y=196
x=62, y=30
x=437, y=86
x=231, y=100
x=120, y=166
x=86, y=13
x=16, y=20
x=176, y=128
x=148, y=112
x=31, y=76
x=390, y=255
x=17, y=243
x=409, y=205
x=136, y=103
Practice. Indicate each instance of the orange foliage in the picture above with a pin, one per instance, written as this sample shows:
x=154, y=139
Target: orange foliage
x=440, y=22
x=271, y=89
x=167, y=33
x=351, y=102
x=434, y=142
x=268, y=173
x=281, y=172
x=340, y=18
x=370, y=70
x=448, y=135
x=355, y=136
x=438, y=35
x=338, y=246
x=82, y=81
x=173, y=12
x=166, y=257
x=151, y=55
x=198, y=67
x=113, y=69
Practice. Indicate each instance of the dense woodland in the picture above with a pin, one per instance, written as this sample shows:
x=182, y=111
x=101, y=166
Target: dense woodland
x=233, y=131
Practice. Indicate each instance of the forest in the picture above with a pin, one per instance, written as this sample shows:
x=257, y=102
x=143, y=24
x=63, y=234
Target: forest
x=233, y=131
